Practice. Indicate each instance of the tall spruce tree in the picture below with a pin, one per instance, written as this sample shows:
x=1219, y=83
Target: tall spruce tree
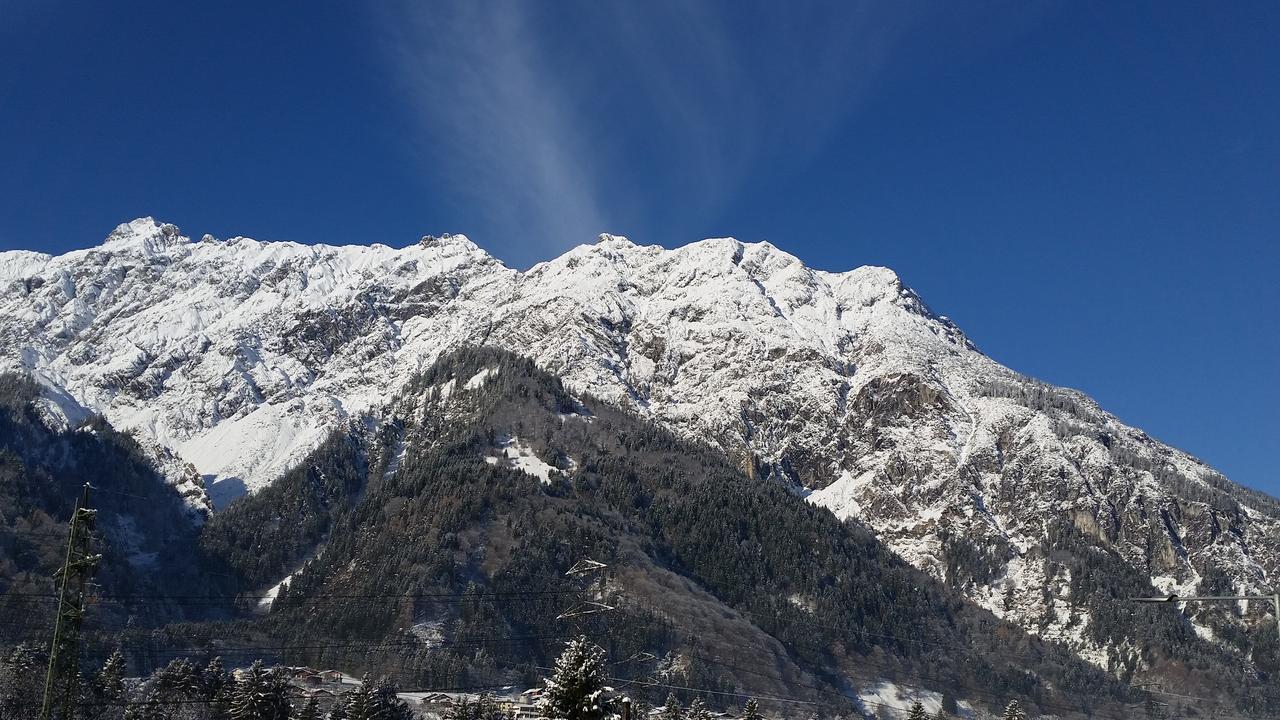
x=359, y=704
x=260, y=695
x=177, y=681
x=216, y=681
x=751, y=711
x=672, y=710
x=576, y=690
x=1013, y=711
x=697, y=711
x=917, y=712
x=109, y=683
x=387, y=704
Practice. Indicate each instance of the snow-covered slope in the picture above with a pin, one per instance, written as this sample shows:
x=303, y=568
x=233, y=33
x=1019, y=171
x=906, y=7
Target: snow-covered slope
x=241, y=355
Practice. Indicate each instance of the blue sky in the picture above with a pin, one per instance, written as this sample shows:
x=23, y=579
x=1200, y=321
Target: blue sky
x=1091, y=190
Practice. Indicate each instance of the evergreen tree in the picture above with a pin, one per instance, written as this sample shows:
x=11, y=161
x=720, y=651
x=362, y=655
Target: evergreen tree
x=109, y=684
x=576, y=691
x=260, y=695
x=150, y=707
x=671, y=710
x=697, y=710
x=215, y=679
x=942, y=714
x=339, y=709
x=177, y=681
x=482, y=708
x=751, y=711
x=917, y=712
x=357, y=704
x=19, y=680
x=1013, y=711
x=310, y=710
x=387, y=705
x=640, y=709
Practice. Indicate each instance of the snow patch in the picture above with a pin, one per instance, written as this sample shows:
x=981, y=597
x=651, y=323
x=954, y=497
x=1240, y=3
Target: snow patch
x=519, y=456
x=480, y=378
x=269, y=595
x=888, y=698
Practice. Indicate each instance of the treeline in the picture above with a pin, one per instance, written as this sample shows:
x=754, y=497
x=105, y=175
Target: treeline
x=182, y=690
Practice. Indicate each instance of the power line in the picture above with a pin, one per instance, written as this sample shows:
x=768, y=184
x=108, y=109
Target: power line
x=179, y=599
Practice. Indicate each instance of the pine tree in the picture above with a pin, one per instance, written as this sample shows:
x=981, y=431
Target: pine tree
x=387, y=705
x=109, y=683
x=339, y=709
x=1013, y=711
x=751, y=711
x=260, y=695
x=942, y=714
x=215, y=679
x=310, y=710
x=482, y=708
x=671, y=710
x=697, y=710
x=576, y=691
x=359, y=704
x=917, y=712
x=151, y=707
x=177, y=681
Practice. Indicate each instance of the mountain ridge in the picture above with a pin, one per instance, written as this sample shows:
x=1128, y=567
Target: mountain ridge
x=846, y=387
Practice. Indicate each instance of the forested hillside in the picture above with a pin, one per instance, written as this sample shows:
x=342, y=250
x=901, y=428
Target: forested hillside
x=437, y=542
x=491, y=480
x=146, y=533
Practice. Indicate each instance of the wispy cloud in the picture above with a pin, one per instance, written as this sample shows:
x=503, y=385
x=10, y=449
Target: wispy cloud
x=560, y=120
x=495, y=121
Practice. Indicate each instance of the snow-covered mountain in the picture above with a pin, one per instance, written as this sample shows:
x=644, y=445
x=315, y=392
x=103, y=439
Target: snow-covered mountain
x=243, y=355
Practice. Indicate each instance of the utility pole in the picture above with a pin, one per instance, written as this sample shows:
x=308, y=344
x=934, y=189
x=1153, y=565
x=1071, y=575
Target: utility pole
x=1275, y=599
x=62, y=678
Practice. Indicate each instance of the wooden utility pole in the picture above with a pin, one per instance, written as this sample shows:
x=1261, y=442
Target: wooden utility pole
x=63, y=676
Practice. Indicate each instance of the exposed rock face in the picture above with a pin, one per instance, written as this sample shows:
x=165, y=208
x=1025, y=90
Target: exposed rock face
x=240, y=355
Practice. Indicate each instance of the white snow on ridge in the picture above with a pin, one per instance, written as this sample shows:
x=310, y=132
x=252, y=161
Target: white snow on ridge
x=243, y=355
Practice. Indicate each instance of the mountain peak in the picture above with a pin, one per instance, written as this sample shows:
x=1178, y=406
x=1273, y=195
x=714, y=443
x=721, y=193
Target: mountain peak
x=607, y=238
x=145, y=234
x=448, y=240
